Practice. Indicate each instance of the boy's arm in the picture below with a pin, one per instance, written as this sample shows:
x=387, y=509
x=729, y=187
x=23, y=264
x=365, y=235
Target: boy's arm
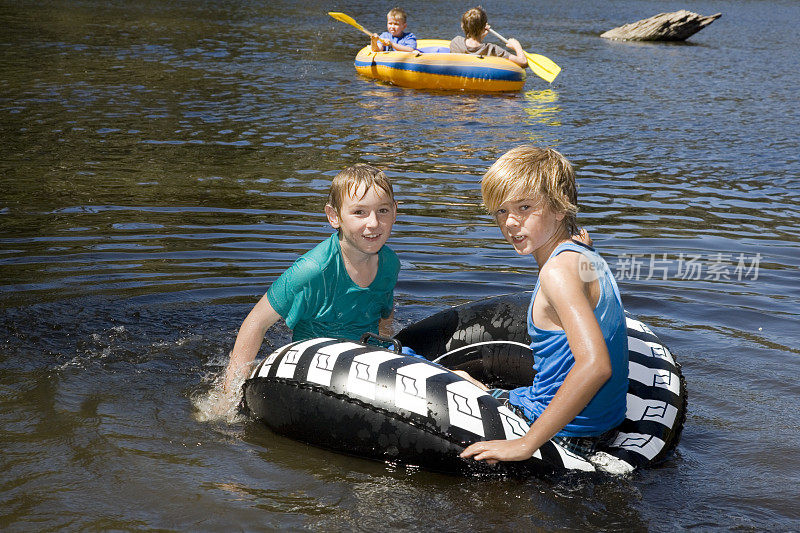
x=248, y=342
x=385, y=325
x=519, y=54
x=567, y=296
x=378, y=44
x=402, y=47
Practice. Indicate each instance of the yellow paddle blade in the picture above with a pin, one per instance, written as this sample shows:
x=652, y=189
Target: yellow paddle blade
x=540, y=65
x=543, y=67
x=347, y=19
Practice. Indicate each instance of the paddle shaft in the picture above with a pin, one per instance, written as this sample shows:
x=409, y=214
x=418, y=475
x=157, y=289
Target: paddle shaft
x=498, y=36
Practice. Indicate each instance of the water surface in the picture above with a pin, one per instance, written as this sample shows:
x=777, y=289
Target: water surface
x=163, y=162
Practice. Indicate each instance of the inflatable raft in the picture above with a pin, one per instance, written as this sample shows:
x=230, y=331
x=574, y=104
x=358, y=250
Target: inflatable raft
x=372, y=402
x=432, y=66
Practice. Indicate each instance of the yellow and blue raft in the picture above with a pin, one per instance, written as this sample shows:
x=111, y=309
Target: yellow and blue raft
x=432, y=66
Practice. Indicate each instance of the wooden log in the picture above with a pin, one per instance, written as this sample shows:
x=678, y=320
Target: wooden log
x=675, y=26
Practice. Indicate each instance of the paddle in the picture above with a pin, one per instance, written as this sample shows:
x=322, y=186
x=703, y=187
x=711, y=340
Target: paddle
x=347, y=19
x=540, y=65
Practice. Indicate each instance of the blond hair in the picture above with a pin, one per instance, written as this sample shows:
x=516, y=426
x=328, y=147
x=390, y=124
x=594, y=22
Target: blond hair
x=348, y=181
x=530, y=172
x=397, y=14
x=473, y=22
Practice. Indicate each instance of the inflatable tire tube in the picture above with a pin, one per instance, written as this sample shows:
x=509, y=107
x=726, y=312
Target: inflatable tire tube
x=371, y=402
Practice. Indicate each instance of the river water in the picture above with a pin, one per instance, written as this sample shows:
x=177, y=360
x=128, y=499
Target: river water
x=162, y=162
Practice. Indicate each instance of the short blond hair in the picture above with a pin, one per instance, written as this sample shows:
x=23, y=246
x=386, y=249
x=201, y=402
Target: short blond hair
x=528, y=171
x=397, y=14
x=348, y=181
x=473, y=22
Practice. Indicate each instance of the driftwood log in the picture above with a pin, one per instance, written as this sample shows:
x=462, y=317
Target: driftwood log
x=676, y=26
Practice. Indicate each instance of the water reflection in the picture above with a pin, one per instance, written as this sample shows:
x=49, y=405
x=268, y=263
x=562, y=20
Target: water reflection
x=542, y=108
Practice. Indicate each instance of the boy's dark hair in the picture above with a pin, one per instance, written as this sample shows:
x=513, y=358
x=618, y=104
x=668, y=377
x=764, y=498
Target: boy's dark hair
x=473, y=22
x=398, y=13
x=350, y=179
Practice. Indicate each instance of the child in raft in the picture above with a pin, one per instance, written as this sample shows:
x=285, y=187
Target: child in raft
x=343, y=287
x=395, y=35
x=475, y=26
x=575, y=319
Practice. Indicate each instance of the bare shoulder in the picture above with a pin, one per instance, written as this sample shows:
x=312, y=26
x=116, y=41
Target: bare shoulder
x=561, y=274
x=562, y=265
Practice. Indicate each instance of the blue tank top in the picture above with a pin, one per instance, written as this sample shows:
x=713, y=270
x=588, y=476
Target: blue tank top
x=553, y=358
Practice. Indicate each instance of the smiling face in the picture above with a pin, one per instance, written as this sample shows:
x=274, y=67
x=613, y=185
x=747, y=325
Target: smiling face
x=395, y=26
x=530, y=226
x=364, y=220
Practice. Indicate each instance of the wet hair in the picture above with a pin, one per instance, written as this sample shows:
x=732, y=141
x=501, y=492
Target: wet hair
x=473, y=22
x=540, y=174
x=398, y=14
x=348, y=181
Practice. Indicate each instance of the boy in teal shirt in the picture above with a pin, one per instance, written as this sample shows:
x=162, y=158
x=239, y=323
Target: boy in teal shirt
x=343, y=287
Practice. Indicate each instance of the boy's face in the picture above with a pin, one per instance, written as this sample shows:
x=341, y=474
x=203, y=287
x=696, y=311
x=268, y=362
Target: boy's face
x=395, y=26
x=527, y=224
x=364, y=220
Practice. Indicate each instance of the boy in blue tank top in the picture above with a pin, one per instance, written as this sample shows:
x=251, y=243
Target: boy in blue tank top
x=575, y=319
x=341, y=288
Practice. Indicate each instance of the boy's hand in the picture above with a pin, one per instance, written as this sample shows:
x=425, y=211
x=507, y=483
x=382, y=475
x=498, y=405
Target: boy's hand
x=465, y=375
x=225, y=404
x=373, y=41
x=378, y=44
x=513, y=43
x=584, y=237
x=494, y=451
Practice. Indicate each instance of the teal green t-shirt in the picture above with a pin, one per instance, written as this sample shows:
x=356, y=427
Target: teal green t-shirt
x=317, y=298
